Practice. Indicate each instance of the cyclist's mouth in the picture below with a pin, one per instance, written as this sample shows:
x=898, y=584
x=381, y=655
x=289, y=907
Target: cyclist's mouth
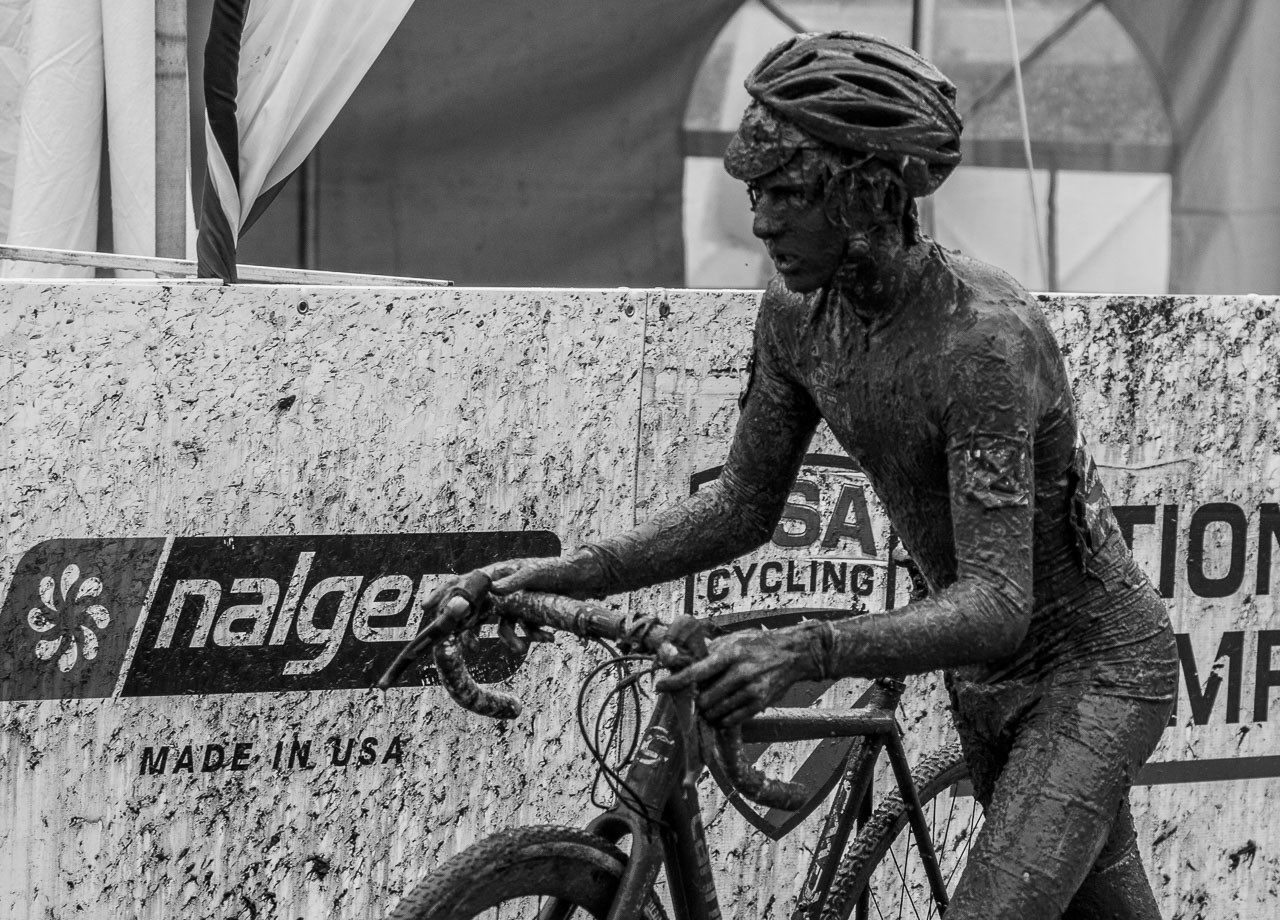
x=784, y=262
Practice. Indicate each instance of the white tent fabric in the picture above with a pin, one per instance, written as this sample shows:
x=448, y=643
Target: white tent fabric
x=14, y=19
x=55, y=184
x=85, y=61
x=128, y=39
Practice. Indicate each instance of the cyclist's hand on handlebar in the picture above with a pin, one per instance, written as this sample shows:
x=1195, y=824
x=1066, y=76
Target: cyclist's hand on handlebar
x=460, y=603
x=744, y=672
x=576, y=575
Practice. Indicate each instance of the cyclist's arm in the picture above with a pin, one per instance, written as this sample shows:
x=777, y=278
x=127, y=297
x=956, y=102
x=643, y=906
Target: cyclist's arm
x=739, y=510
x=984, y=614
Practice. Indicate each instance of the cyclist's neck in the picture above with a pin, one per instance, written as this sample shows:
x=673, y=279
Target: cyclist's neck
x=879, y=279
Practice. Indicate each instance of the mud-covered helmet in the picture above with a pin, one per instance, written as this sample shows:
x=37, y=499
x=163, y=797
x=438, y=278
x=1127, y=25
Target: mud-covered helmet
x=854, y=92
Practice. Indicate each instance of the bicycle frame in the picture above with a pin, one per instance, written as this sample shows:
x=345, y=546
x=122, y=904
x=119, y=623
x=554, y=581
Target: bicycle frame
x=660, y=811
x=663, y=778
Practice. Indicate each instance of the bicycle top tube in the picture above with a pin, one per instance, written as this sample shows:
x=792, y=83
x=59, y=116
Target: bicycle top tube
x=778, y=725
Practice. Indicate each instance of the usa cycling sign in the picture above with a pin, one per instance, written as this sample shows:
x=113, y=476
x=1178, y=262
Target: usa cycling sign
x=152, y=616
x=830, y=557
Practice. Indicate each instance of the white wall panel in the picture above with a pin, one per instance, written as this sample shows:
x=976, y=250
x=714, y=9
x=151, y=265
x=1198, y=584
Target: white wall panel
x=136, y=411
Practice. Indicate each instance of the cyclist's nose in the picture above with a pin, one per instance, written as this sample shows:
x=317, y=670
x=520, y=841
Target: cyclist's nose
x=764, y=223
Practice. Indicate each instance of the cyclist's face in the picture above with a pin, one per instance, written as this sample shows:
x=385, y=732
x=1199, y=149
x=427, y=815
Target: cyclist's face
x=791, y=218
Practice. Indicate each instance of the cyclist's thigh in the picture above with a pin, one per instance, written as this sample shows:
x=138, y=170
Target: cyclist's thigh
x=1053, y=805
x=1117, y=887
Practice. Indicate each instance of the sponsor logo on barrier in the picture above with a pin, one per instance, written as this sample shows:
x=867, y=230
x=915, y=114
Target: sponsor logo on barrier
x=1204, y=554
x=69, y=614
x=1214, y=542
x=198, y=615
x=293, y=754
x=829, y=558
x=831, y=552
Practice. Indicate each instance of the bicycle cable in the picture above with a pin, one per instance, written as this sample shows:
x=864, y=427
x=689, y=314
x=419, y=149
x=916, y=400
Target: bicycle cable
x=600, y=748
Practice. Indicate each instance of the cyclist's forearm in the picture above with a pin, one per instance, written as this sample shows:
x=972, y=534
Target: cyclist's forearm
x=968, y=623
x=710, y=527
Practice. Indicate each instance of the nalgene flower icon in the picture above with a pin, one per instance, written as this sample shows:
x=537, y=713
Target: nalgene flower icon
x=71, y=607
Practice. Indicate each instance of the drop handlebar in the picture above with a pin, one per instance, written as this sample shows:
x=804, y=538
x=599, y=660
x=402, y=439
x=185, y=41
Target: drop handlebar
x=672, y=644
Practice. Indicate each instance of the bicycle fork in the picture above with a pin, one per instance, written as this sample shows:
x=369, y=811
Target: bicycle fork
x=855, y=785
x=660, y=812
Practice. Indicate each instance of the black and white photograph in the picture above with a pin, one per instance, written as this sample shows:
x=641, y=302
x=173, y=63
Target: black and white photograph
x=647, y=460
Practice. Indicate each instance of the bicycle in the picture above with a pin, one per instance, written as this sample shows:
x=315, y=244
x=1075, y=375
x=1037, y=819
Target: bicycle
x=547, y=872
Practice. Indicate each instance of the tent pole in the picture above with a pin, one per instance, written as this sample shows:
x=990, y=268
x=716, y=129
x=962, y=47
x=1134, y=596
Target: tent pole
x=309, y=210
x=171, y=129
x=924, y=18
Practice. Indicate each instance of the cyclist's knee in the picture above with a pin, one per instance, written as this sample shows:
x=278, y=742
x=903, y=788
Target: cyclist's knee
x=1118, y=891
x=1122, y=841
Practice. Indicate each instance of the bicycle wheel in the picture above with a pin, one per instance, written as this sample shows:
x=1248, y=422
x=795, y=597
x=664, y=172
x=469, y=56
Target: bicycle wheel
x=884, y=860
x=515, y=874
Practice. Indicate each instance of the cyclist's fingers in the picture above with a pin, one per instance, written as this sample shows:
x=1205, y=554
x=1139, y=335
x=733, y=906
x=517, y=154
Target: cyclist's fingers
x=699, y=672
x=507, y=633
x=739, y=706
x=727, y=692
x=472, y=585
x=456, y=607
x=470, y=644
x=433, y=599
x=501, y=572
x=536, y=633
x=514, y=580
x=739, y=715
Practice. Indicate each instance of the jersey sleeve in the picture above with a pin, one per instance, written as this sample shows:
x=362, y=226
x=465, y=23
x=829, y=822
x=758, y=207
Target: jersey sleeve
x=988, y=426
x=777, y=419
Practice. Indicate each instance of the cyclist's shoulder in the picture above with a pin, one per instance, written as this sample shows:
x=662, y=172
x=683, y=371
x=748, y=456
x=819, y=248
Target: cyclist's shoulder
x=995, y=317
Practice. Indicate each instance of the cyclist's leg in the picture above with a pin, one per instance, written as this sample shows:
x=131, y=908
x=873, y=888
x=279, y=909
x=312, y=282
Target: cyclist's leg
x=1117, y=887
x=1052, y=808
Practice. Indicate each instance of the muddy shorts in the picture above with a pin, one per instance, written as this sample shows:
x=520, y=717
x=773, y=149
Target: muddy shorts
x=1052, y=762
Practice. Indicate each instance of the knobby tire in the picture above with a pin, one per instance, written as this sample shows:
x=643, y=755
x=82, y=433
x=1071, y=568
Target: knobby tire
x=884, y=855
x=515, y=872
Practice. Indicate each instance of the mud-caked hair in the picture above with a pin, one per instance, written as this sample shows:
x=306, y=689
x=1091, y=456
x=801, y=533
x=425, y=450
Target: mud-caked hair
x=848, y=183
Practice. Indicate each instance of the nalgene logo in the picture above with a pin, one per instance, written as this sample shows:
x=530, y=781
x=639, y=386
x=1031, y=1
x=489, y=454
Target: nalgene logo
x=195, y=615
x=262, y=611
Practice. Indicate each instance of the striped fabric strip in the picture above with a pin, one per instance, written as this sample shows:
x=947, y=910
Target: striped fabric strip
x=220, y=199
x=277, y=72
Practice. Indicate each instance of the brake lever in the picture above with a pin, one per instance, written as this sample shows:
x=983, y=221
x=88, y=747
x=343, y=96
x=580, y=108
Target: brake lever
x=445, y=625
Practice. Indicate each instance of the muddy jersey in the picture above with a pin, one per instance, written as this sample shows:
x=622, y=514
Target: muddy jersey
x=958, y=408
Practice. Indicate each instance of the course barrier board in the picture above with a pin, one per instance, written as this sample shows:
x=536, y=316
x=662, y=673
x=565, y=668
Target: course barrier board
x=221, y=503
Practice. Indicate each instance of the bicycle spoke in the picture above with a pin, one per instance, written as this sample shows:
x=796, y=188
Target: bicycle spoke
x=528, y=908
x=953, y=821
